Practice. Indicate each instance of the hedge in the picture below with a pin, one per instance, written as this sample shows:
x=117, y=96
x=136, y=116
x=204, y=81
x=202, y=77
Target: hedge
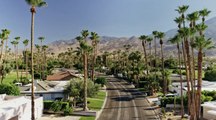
x=57, y=106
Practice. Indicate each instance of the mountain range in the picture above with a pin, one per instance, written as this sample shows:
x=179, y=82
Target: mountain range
x=110, y=44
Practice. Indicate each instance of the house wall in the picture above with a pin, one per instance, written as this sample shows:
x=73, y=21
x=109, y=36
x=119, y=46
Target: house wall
x=51, y=96
x=48, y=96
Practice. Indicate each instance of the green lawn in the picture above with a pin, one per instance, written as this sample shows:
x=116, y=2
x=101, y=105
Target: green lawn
x=10, y=77
x=95, y=104
x=87, y=118
x=97, y=101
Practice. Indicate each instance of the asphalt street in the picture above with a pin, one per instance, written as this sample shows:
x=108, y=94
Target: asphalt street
x=124, y=102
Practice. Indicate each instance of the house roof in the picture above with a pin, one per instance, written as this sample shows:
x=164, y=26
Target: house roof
x=62, y=76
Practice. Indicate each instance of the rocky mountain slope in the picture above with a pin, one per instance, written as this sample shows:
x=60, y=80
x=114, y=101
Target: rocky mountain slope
x=115, y=43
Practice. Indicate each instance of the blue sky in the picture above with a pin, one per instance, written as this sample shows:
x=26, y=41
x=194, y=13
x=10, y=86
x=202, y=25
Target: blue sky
x=64, y=19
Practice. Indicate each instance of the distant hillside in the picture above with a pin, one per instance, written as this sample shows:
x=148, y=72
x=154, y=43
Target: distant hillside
x=114, y=43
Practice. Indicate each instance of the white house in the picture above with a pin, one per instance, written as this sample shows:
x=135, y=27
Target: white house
x=19, y=107
x=47, y=90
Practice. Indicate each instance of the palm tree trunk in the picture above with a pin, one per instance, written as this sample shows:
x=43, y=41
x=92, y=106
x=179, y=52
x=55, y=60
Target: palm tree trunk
x=162, y=60
x=26, y=63
x=150, y=57
x=2, y=46
x=182, y=99
x=85, y=108
x=200, y=54
x=146, y=60
x=188, y=82
x=32, y=64
x=155, y=55
x=192, y=108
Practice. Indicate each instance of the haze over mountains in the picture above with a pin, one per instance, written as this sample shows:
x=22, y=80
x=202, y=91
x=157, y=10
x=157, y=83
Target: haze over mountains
x=110, y=44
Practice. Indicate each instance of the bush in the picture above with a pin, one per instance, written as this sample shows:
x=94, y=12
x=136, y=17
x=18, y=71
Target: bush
x=183, y=73
x=56, y=106
x=68, y=111
x=9, y=89
x=101, y=80
x=176, y=71
x=210, y=75
x=24, y=81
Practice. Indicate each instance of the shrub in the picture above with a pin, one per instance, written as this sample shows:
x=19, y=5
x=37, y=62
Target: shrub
x=9, y=89
x=56, y=106
x=68, y=110
x=210, y=75
x=101, y=80
x=176, y=71
x=183, y=73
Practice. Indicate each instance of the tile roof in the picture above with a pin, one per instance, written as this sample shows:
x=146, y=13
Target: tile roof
x=61, y=76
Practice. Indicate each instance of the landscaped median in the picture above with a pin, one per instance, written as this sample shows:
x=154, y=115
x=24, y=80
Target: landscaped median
x=96, y=104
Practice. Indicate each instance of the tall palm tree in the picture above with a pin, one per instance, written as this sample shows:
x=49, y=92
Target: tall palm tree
x=161, y=36
x=17, y=54
x=15, y=43
x=25, y=42
x=201, y=44
x=33, y=4
x=44, y=49
x=143, y=39
x=185, y=32
x=204, y=13
x=155, y=34
x=193, y=17
x=2, y=37
x=149, y=40
x=95, y=40
x=7, y=33
x=41, y=39
x=177, y=40
x=181, y=10
x=84, y=46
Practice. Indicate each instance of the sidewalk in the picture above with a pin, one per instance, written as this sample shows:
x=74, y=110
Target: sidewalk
x=57, y=117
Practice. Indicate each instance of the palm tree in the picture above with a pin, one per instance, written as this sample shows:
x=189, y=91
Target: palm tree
x=149, y=40
x=15, y=43
x=33, y=4
x=185, y=32
x=181, y=10
x=204, y=13
x=41, y=39
x=161, y=36
x=201, y=44
x=95, y=40
x=25, y=42
x=193, y=17
x=155, y=33
x=143, y=39
x=85, y=48
x=2, y=37
x=7, y=33
x=177, y=40
x=44, y=49
x=17, y=54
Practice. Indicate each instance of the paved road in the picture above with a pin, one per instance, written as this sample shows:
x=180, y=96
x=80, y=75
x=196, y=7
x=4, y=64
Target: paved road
x=124, y=102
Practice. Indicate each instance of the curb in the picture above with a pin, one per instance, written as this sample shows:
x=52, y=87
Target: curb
x=104, y=103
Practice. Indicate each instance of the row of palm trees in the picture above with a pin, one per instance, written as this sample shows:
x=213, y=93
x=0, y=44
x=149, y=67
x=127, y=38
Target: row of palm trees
x=85, y=50
x=187, y=39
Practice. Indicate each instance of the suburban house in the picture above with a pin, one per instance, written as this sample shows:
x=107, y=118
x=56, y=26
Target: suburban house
x=19, y=107
x=45, y=89
x=62, y=76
